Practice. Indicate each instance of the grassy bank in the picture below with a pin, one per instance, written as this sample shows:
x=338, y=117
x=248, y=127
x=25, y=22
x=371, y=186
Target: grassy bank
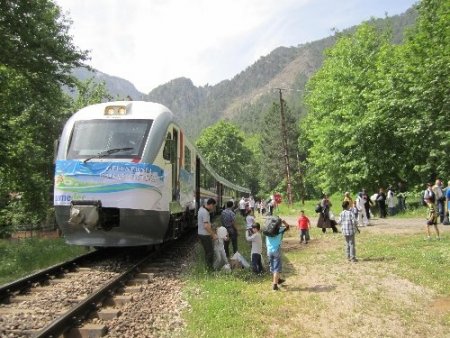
x=382, y=295
x=20, y=258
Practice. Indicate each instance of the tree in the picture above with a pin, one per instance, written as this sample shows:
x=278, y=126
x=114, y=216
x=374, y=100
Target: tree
x=89, y=92
x=222, y=145
x=344, y=135
x=36, y=44
x=378, y=113
x=36, y=57
x=273, y=168
x=419, y=96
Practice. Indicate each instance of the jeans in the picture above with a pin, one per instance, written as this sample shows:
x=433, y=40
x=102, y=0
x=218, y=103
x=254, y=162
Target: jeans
x=257, y=263
x=441, y=210
x=304, y=235
x=350, y=247
x=207, y=244
x=233, y=240
x=275, y=261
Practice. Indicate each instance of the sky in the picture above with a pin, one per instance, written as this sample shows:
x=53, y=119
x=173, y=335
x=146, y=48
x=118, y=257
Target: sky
x=150, y=42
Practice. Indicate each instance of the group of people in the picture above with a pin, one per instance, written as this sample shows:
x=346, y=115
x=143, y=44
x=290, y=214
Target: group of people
x=361, y=207
x=354, y=213
x=216, y=240
x=437, y=200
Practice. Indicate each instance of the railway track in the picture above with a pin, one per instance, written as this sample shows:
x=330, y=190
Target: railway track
x=94, y=296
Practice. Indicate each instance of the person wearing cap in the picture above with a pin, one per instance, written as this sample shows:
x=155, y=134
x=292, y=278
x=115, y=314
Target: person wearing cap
x=254, y=235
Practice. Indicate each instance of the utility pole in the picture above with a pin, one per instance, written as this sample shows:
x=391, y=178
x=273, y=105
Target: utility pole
x=285, y=147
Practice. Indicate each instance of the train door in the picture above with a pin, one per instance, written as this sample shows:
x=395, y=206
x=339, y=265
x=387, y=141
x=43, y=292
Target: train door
x=197, y=183
x=219, y=195
x=175, y=163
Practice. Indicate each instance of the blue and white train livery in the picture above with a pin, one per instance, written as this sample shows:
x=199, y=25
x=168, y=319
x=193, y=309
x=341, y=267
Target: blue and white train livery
x=126, y=175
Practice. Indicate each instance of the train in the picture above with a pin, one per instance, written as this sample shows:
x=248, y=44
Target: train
x=127, y=175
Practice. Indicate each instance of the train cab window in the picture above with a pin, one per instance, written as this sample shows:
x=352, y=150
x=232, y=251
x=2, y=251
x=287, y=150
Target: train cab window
x=110, y=138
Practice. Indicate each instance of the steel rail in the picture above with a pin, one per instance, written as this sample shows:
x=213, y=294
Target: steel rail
x=80, y=311
x=41, y=276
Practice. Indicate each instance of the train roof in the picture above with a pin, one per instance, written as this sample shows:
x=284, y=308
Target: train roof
x=133, y=109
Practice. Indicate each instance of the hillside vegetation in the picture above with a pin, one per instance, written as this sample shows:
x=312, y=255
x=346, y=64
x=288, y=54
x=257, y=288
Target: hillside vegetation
x=251, y=92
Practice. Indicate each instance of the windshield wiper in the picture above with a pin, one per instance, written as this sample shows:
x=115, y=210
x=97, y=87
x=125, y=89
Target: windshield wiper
x=107, y=152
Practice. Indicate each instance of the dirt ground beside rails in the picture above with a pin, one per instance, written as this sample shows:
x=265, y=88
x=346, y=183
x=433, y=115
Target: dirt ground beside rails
x=364, y=299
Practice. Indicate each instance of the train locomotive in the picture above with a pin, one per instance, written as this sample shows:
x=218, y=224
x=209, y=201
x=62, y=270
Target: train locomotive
x=126, y=175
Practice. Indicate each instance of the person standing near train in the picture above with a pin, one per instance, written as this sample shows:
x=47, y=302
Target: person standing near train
x=228, y=218
x=206, y=233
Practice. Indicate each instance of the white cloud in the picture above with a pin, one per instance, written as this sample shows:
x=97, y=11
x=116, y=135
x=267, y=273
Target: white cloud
x=150, y=42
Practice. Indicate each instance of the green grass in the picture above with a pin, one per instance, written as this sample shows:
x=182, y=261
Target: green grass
x=236, y=304
x=21, y=258
x=422, y=262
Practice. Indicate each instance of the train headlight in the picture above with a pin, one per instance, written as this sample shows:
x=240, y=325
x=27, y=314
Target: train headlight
x=115, y=110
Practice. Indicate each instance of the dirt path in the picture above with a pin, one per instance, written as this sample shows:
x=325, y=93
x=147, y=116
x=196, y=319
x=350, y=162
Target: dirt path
x=329, y=297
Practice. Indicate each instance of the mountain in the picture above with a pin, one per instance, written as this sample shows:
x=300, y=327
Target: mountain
x=244, y=98
x=116, y=86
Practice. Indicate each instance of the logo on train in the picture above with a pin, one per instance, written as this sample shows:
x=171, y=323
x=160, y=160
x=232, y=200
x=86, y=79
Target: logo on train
x=63, y=198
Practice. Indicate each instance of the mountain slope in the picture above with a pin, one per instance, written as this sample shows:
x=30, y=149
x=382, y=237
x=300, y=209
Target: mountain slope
x=117, y=87
x=244, y=98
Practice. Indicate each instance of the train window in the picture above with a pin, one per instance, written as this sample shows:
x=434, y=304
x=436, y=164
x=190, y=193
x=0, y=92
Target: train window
x=168, y=147
x=187, y=159
x=92, y=137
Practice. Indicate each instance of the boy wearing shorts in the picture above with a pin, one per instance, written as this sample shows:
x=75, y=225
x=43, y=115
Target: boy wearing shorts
x=273, y=245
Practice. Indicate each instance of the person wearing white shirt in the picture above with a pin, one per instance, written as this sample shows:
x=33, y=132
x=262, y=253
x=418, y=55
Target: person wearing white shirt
x=254, y=235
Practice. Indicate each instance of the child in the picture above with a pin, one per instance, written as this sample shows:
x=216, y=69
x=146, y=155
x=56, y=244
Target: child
x=303, y=225
x=220, y=257
x=431, y=218
x=349, y=228
x=253, y=235
x=273, y=245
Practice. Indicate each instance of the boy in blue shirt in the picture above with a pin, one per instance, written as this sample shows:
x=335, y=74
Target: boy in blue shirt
x=273, y=245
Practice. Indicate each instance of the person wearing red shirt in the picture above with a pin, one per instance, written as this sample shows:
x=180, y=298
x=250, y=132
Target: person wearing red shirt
x=303, y=225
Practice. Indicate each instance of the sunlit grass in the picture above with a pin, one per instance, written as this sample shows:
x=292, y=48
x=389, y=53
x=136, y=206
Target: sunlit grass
x=240, y=304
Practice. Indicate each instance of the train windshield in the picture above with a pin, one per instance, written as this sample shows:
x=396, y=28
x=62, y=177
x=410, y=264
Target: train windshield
x=93, y=137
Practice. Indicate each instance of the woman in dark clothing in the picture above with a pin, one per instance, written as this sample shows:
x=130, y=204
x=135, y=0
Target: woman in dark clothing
x=381, y=201
x=324, y=221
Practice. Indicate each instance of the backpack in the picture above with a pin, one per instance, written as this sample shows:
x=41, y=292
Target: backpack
x=318, y=208
x=271, y=226
x=428, y=194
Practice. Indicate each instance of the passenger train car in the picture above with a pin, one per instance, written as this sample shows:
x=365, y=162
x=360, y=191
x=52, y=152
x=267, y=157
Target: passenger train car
x=126, y=175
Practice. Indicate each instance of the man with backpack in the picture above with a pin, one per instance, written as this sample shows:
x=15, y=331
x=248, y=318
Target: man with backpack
x=439, y=199
x=274, y=232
